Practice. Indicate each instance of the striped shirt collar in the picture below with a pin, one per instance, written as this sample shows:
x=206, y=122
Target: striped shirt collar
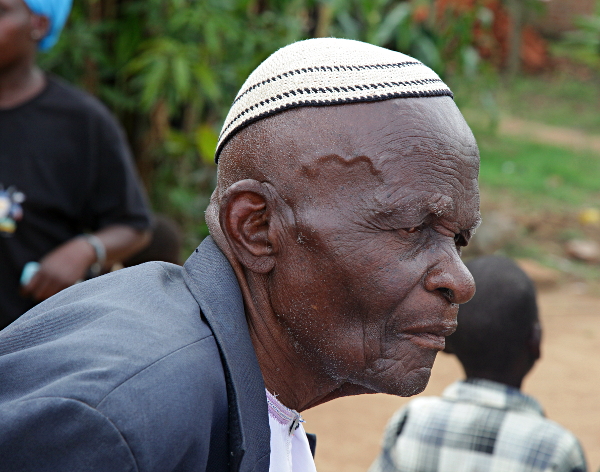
x=283, y=414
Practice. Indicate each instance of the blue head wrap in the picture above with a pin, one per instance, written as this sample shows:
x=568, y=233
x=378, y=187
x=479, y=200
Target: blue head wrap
x=57, y=12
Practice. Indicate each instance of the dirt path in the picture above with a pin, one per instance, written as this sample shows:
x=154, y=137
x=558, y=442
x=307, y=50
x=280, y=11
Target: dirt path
x=546, y=134
x=534, y=131
x=566, y=381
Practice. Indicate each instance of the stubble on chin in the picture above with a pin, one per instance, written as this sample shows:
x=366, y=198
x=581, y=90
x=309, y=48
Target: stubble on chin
x=402, y=377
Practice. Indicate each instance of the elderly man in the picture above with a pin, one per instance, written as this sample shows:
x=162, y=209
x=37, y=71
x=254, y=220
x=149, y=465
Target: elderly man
x=347, y=186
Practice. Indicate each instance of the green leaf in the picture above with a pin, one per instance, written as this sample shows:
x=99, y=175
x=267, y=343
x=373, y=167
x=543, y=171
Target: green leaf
x=399, y=14
x=206, y=143
x=470, y=59
x=426, y=50
x=155, y=78
x=181, y=72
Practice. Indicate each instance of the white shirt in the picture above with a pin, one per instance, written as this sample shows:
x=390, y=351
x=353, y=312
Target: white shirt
x=290, y=451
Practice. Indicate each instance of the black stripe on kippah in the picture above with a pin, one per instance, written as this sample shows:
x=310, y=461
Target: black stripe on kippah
x=307, y=90
x=372, y=98
x=323, y=68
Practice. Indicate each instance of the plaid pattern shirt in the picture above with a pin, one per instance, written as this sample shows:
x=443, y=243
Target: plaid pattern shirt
x=477, y=425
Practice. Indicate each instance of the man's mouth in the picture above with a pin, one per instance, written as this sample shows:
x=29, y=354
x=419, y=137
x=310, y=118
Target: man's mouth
x=429, y=340
x=432, y=337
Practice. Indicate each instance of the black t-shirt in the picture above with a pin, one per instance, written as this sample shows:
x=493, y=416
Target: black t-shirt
x=65, y=168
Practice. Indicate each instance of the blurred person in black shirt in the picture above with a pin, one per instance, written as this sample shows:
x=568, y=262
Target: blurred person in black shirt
x=70, y=200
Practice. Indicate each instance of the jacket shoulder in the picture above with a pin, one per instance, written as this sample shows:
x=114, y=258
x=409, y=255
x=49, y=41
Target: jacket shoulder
x=133, y=347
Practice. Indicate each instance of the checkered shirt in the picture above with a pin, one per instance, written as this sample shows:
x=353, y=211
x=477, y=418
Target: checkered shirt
x=477, y=425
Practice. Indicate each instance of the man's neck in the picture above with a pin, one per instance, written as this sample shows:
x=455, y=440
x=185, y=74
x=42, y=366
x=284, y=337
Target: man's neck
x=20, y=83
x=285, y=371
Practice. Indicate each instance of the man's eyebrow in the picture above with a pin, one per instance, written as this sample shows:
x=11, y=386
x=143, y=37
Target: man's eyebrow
x=416, y=205
x=407, y=212
x=413, y=208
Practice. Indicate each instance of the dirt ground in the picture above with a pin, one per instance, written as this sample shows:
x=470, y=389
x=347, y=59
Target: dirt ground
x=566, y=381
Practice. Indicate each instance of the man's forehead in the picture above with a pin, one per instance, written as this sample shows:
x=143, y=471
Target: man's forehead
x=383, y=134
x=394, y=158
x=14, y=4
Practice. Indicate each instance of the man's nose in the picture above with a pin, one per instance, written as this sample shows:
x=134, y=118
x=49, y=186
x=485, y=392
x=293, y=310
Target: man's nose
x=452, y=279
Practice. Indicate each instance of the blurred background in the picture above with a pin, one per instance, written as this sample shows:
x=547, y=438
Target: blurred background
x=526, y=74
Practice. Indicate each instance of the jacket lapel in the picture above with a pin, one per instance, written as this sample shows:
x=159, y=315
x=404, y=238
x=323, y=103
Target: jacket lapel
x=213, y=284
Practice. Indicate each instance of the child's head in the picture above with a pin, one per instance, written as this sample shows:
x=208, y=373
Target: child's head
x=498, y=331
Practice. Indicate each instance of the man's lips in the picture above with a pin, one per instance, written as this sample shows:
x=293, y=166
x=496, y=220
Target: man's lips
x=429, y=341
x=431, y=337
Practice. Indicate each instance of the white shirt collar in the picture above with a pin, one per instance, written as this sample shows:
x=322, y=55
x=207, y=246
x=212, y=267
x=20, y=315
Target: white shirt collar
x=290, y=451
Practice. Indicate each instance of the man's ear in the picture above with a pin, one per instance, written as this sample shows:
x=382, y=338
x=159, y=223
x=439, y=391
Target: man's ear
x=249, y=218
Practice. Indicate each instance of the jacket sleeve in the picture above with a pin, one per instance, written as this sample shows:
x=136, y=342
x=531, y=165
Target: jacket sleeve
x=60, y=434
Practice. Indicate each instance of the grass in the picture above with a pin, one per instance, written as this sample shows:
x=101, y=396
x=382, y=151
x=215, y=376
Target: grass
x=547, y=174
x=543, y=188
x=559, y=100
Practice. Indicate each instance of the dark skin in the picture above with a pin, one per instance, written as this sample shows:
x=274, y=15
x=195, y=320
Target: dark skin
x=20, y=81
x=69, y=262
x=344, y=225
x=20, y=31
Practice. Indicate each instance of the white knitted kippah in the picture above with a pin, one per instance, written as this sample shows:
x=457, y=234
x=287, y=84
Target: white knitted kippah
x=327, y=71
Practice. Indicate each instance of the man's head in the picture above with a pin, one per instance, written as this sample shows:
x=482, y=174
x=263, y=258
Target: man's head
x=498, y=333
x=344, y=223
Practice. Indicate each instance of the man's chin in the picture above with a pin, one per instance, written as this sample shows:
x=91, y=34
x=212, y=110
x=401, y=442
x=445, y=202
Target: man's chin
x=409, y=384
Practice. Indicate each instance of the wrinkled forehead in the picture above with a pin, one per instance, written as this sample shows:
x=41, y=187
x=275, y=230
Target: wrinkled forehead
x=378, y=135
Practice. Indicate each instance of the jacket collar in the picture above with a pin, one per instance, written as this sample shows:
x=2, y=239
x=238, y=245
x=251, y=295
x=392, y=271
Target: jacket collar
x=212, y=282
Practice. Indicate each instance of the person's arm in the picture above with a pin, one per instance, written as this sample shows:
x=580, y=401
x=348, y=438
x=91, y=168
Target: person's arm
x=69, y=262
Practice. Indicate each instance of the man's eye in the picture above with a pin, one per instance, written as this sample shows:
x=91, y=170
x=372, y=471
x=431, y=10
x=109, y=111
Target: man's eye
x=414, y=229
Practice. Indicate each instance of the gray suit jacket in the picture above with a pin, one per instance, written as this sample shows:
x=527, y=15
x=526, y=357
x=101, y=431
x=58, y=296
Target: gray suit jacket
x=145, y=369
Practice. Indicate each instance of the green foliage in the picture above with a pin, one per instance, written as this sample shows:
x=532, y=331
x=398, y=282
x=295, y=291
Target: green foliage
x=583, y=44
x=170, y=68
x=588, y=33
